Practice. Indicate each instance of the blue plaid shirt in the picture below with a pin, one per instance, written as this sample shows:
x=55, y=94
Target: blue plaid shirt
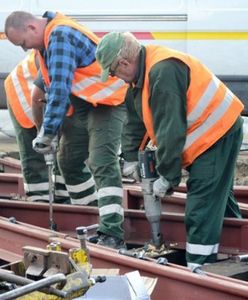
x=67, y=50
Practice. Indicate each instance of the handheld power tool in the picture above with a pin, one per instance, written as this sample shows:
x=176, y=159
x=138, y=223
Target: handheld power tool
x=152, y=203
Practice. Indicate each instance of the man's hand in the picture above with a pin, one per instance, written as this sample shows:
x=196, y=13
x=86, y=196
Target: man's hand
x=44, y=144
x=131, y=170
x=161, y=187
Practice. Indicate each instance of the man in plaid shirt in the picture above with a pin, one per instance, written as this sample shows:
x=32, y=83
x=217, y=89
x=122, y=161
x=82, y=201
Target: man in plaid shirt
x=68, y=66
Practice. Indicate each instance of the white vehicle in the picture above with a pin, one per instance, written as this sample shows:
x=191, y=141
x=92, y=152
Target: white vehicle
x=216, y=32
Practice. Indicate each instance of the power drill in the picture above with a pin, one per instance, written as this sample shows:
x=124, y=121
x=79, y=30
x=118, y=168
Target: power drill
x=147, y=163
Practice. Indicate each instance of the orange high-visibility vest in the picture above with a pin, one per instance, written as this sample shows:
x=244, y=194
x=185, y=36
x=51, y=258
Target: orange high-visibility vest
x=87, y=80
x=18, y=87
x=212, y=108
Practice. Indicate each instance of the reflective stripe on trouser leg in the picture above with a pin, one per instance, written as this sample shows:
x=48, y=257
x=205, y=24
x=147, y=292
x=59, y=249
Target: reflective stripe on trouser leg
x=71, y=157
x=40, y=191
x=111, y=211
x=34, y=169
x=105, y=126
x=61, y=194
x=86, y=190
x=209, y=193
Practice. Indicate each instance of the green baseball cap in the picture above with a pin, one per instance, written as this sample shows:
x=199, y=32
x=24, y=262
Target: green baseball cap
x=107, y=50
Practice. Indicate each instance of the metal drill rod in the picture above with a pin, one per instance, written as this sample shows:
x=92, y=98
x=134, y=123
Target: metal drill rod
x=34, y=286
x=50, y=160
x=19, y=280
x=52, y=224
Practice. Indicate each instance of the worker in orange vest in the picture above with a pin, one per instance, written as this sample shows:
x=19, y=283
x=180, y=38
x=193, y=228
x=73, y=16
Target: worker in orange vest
x=68, y=66
x=18, y=87
x=193, y=119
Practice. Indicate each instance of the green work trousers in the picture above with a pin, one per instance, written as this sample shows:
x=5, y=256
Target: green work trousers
x=98, y=140
x=210, y=197
x=34, y=168
x=72, y=156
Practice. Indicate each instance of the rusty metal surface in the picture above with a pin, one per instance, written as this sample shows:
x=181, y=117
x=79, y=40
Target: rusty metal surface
x=137, y=230
x=174, y=282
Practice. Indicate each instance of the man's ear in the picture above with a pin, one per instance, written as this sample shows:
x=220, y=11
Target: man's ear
x=123, y=62
x=31, y=27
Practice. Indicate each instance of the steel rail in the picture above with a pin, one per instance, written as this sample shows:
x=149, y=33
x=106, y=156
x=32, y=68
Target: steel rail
x=11, y=187
x=12, y=165
x=137, y=230
x=174, y=282
x=133, y=199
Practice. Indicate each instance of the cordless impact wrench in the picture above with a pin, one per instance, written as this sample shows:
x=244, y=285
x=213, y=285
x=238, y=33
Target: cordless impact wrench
x=152, y=203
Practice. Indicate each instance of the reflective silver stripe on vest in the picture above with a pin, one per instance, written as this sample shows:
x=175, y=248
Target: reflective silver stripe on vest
x=77, y=188
x=109, y=90
x=21, y=96
x=85, y=83
x=111, y=209
x=110, y=191
x=204, y=101
x=211, y=120
x=103, y=93
x=199, y=249
x=34, y=187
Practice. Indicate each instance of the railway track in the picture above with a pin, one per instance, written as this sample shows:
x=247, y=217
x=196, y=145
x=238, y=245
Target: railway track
x=68, y=217
x=23, y=223
x=174, y=281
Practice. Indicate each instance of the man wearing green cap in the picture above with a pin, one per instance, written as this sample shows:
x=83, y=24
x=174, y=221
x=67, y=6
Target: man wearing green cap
x=193, y=119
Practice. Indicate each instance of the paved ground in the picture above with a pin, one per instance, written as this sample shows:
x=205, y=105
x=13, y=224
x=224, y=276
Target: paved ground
x=7, y=144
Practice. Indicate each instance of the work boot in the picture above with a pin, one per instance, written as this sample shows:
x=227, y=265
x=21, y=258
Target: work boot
x=111, y=242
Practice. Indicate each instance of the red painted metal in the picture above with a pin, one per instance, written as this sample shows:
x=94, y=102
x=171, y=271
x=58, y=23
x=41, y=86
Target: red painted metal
x=132, y=191
x=172, y=203
x=10, y=165
x=68, y=217
x=174, y=282
x=11, y=186
x=133, y=199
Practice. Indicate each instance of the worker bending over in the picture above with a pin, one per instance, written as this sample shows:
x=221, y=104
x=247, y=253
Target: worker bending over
x=68, y=66
x=194, y=120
